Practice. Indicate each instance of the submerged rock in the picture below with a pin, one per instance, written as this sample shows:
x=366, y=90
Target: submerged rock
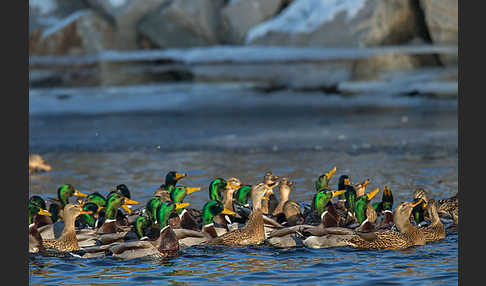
x=184, y=24
x=441, y=17
x=333, y=23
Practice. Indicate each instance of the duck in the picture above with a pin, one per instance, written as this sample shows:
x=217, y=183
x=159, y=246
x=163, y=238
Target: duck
x=37, y=164
x=253, y=232
x=184, y=218
x=268, y=206
x=41, y=204
x=449, y=206
x=35, y=214
x=435, y=230
x=171, y=179
x=322, y=181
x=343, y=182
x=242, y=196
x=166, y=245
x=67, y=241
x=365, y=213
x=324, y=209
x=284, y=189
x=114, y=202
x=64, y=192
x=406, y=236
x=287, y=212
x=384, y=209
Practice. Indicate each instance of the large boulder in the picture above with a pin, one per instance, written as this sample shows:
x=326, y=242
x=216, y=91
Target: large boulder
x=125, y=16
x=338, y=23
x=441, y=17
x=241, y=15
x=184, y=24
x=83, y=32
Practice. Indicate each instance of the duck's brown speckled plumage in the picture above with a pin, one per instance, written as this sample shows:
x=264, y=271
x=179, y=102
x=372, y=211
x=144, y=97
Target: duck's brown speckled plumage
x=450, y=206
x=435, y=231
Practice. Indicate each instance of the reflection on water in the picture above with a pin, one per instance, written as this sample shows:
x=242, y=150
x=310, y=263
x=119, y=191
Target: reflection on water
x=434, y=263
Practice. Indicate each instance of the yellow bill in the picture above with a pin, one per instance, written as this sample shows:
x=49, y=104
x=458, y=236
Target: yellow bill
x=79, y=194
x=227, y=211
x=387, y=191
x=43, y=212
x=181, y=205
x=180, y=175
x=337, y=193
x=331, y=173
x=370, y=195
x=192, y=190
x=85, y=212
x=99, y=209
x=412, y=204
x=126, y=208
x=128, y=201
x=347, y=182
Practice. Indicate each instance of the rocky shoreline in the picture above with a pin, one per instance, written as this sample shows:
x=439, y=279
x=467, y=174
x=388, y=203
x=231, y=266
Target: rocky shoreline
x=221, y=28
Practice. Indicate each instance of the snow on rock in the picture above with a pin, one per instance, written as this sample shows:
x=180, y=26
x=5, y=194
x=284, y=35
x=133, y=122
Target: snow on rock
x=338, y=23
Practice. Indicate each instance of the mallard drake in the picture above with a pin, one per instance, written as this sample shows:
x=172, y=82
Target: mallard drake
x=418, y=212
x=343, y=183
x=324, y=209
x=385, y=208
x=184, y=218
x=166, y=245
x=322, y=181
x=35, y=213
x=365, y=214
x=450, y=206
x=171, y=180
x=41, y=203
x=91, y=218
x=242, y=196
x=407, y=235
x=114, y=202
x=67, y=241
x=435, y=230
x=253, y=232
x=64, y=192
x=37, y=164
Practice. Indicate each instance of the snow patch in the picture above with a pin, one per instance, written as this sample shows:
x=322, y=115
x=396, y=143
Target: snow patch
x=304, y=16
x=64, y=22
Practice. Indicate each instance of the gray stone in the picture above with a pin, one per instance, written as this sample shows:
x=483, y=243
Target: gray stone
x=346, y=23
x=240, y=16
x=83, y=32
x=125, y=16
x=184, y=24
x=441, y=17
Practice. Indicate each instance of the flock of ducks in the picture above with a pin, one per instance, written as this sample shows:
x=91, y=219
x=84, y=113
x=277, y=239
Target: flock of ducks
x=235, y=215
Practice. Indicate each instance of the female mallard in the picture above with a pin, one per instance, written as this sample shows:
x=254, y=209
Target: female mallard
x=407, y=235
x=285, y=188
x=435, y=230
x=37, y=164
x=450, y=206
x=253, y=232
x=67, y=241
x=268, y=206
x=287, y=210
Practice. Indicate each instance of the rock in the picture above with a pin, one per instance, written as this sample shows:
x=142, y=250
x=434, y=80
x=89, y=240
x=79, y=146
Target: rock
x=441, y=17
x=43, y=13
x=240, y=16
x=343, y=23
x=184, y=24
x=83, y=32
x=125, y=15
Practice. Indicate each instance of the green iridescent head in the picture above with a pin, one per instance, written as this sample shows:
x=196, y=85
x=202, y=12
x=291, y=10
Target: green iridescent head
x=151, y=208
x=419, y=210
x=361, y=205
x=89, y=219
x=55, y=211
x=242, y=195
x=212, y=209
x=178, y=193
x=165, y=209
x=97, y=199
x=38, y=201
x=322, y=181
x=115, y=201
x=33, y=210
x=66, y=191
x=173, y=177
x=322, y=198
x=216, y=188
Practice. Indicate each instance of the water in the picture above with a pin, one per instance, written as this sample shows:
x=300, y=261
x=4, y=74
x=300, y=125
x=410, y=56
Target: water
x=223, y=131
